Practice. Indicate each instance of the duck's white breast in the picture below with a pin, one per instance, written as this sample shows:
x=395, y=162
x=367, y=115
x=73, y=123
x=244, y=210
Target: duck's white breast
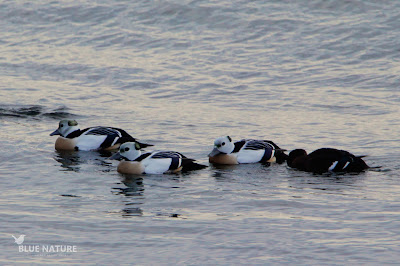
x=250, y=156
x=90, y=142
x=156, y=166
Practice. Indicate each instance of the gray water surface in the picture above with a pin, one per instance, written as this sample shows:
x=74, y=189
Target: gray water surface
x=178, y=74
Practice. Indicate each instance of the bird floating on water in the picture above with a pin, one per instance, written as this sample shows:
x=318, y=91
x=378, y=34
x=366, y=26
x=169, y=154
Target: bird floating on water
x=245, y=151
x=156, y=162
x=92, y=138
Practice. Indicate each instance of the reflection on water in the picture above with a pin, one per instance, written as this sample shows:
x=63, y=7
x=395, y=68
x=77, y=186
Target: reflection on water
x=133, y=191
x=222, y=172
x=70, y=161
x=326, y=181
x=134, y=186
x=128, y=212
x=134, y=196
x=73, y=160
x=227, y=173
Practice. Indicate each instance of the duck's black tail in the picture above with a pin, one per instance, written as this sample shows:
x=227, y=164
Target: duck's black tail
x=280, y=156
x=190, y=165
x=363, y=165
x=125, y=137
x=131, y=139
x=144, y=145
x=359, y=164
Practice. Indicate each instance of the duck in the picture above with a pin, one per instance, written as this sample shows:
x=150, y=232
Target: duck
x=326, y=160
x=245, y=151
x=72, y=138
x=133, y=161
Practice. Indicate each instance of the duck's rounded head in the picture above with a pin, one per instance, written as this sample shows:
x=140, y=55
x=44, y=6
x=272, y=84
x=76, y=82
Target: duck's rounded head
x=65, y=127
x=128, y=151
x=294, y=154
x=222, y=145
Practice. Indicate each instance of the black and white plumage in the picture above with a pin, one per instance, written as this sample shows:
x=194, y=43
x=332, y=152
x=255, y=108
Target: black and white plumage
x=326, y=160
x=92, y=138
x=156, y=162
x=245, y=151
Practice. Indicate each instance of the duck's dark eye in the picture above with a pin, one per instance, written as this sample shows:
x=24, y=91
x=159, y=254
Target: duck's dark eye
x=61, y=125
x=223, y=144
x=127, y=149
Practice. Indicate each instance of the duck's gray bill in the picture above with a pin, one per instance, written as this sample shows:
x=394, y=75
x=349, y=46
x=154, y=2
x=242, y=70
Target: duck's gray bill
x=56, y=132
x=214, y=152
x=116, y=156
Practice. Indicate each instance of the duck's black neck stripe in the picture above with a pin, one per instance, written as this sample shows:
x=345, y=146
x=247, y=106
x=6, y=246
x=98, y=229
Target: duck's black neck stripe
x=75, y=134
x=143, y=156
x=238, y=145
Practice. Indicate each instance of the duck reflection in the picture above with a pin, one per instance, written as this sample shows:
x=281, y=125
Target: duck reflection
x=72, y=160
x=128, y=212
x=134, y=194
x=134, y=186
x=227, y=173
x=324, y=181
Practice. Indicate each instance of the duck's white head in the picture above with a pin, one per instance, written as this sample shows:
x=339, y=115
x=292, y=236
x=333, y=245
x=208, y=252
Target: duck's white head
x=65, y=127
x=128, y=151
x=222, y=145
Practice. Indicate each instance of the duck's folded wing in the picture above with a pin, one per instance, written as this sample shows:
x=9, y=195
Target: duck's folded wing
x=273, y=144
x=257, y=145
x=103, y=131
x=327, y=159
x=103, y=137
x=162, y=161
x=167, y=154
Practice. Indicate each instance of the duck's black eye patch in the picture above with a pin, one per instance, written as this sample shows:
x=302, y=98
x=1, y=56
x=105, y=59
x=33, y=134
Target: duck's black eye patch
x=127, y=149
x=61, y=125
x=223, y=143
